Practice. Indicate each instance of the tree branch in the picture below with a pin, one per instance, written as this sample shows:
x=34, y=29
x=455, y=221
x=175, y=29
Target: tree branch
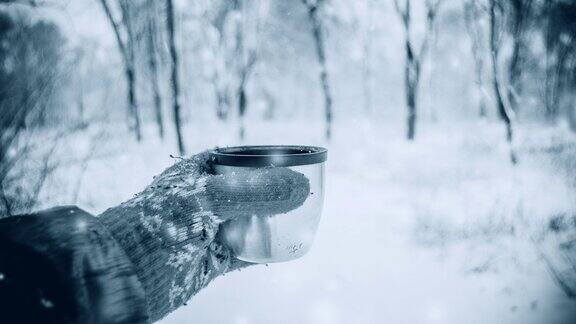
x=404, y=13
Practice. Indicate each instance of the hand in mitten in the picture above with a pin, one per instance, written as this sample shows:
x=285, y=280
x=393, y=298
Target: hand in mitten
x=169, y=230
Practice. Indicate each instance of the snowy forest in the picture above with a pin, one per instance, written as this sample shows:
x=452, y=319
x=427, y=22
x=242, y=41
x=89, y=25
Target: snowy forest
x=450, y=125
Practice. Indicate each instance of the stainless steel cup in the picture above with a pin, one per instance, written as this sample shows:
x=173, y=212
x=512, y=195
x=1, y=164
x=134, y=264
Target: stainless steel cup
x=274, y=238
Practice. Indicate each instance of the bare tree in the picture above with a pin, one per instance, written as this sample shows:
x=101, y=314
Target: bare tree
x=506, y=114
x=312, y=7
x=174, y=75
x=472, y=13
x=520, y=17
x=30, y=84
x=415, y=55
x=125, y=40
x=152, y=31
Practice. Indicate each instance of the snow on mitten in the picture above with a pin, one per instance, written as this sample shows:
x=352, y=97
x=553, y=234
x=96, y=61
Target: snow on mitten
x=168, y=230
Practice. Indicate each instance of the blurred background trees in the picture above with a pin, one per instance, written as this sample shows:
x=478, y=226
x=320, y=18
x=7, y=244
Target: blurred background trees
x=169, y=65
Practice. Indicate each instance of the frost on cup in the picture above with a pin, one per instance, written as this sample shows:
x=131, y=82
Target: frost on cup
x=281, y=237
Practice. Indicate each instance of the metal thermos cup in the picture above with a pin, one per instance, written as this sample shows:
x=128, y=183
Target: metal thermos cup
x=282, y=237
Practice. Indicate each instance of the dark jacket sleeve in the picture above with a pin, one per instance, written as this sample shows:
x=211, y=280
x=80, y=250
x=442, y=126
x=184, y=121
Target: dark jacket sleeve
x=62, y=266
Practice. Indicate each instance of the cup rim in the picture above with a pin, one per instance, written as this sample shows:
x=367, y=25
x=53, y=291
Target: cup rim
x=268, y=155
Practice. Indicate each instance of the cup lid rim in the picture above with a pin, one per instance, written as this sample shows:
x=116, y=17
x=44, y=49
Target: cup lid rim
x=268, y=155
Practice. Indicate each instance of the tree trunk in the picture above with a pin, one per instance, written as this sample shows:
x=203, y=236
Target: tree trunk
x=520, y=10
x=223, y=105
x=475, y=33
x=242, y=95
x=242, y=109
x=222, y=100
x=501, y=107
x=411, y=83
x=130, y=77
x=174, y=76
x=414, y=59
x=503, y=111
x=153, y=65
x=412, y=77
x=411, y=120
x=127, y=53
x=320, y=52
x=514, y=73
x=481, y=89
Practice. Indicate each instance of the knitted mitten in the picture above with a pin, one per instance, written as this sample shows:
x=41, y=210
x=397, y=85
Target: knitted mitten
x=168, y=230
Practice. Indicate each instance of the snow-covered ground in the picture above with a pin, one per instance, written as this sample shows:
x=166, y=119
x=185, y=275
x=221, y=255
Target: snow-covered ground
x=442, y=230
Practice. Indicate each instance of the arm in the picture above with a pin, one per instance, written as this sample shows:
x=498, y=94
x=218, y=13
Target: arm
x=166, y=235
x=62, y=266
